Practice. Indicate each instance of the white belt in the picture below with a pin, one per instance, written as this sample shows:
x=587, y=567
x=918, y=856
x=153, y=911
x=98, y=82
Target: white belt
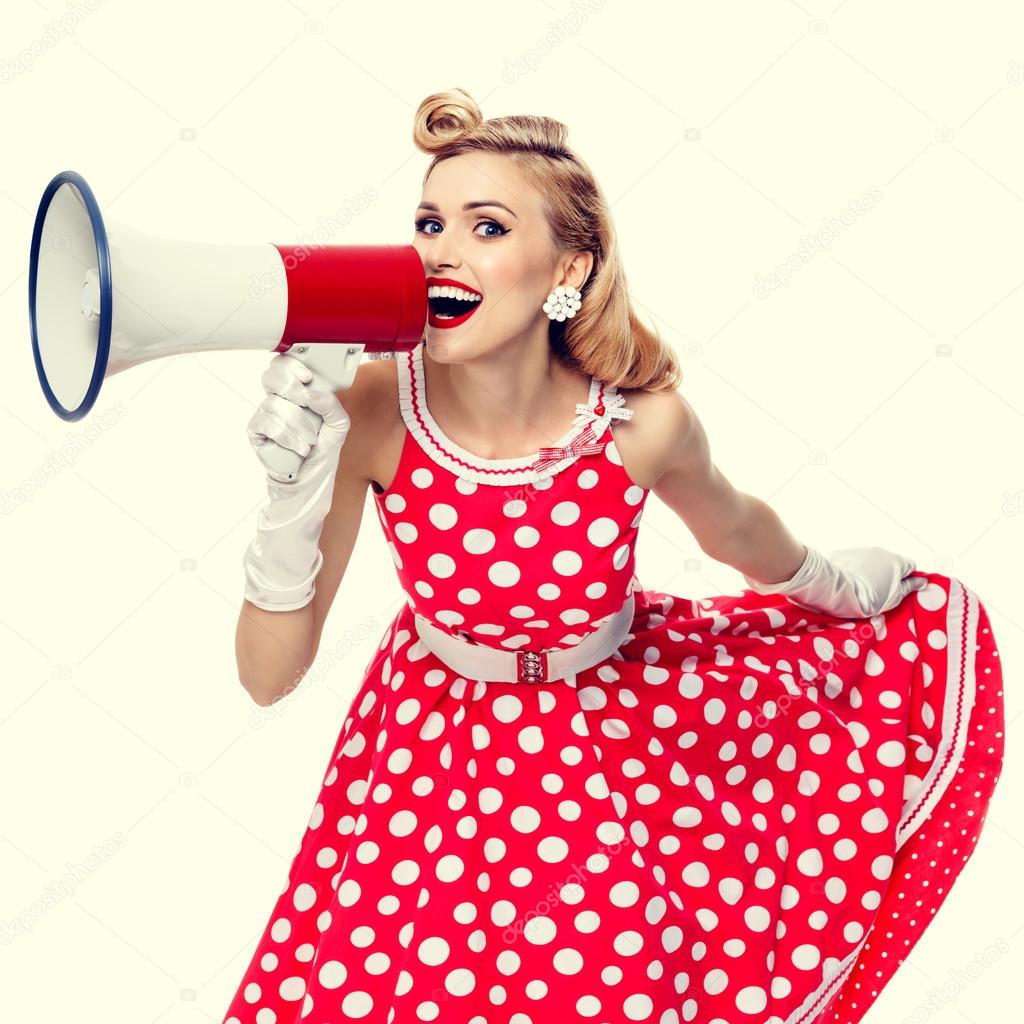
x=481, y=662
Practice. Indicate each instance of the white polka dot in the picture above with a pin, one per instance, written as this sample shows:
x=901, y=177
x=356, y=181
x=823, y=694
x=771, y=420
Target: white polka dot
x=443, y=516
x=406, y=532
x=806, y=957
x=565, y=513
x=433, y=951
x=809, y=862
x=757, y=918
x=478, y=541
x=441, y=565
x=503, y=574
x=526, y=536
x=304, y=896
x=539, y=930
x=845, y=849
x=752, y=999
x=507, y=707
x=332, y=974
x=635, y=1007
x=624, y=894
x=892, y=753
x=567, y=961
x=881, y=867
x=828, y=824
x=875, y=820
x=552, y=849
x=356, y=1004
x=602, y=532
x=402, y=823
x=715, y=981
x=714, y=711
x=449, y=868
x=696, y=874
x=567, y=563
x=931, y=597
x=422, y=477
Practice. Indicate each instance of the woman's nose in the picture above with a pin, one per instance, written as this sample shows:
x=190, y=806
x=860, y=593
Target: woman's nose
x=441, y=251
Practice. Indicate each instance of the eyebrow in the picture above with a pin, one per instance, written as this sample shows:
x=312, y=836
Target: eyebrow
x=470, y=206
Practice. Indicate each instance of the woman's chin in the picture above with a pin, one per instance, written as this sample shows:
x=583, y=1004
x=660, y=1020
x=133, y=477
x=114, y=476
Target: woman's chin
x=437, y=344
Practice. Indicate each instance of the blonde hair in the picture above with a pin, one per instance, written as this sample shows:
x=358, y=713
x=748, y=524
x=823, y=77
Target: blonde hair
x=605, y=338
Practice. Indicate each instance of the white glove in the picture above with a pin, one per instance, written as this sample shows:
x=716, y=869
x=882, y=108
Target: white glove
x=853, y=583
x=282, y=561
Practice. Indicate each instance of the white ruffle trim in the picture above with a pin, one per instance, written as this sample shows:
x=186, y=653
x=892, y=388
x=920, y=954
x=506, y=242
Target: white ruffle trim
x=496, y=472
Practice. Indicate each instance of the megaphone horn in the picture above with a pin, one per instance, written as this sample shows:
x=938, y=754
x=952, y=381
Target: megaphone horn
x=104, y=297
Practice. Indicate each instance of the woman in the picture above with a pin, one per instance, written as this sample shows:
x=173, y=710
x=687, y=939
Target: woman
x=558, y=795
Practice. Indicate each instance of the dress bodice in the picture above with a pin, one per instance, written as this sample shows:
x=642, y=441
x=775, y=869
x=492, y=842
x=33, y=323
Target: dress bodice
x=512, y=553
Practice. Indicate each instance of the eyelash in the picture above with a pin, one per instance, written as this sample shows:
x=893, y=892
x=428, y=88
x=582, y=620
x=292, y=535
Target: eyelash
x=424, y=220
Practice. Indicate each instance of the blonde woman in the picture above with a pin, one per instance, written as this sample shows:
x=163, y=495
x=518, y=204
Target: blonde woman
x=558, y=795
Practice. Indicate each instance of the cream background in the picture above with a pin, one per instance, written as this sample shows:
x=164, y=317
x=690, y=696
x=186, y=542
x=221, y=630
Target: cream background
x=875, y=399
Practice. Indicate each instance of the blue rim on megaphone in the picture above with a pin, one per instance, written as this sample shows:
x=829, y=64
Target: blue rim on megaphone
x=71, y=218
x=324, y=305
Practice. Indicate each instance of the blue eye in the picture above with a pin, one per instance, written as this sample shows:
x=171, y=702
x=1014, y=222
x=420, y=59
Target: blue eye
x=502, y=230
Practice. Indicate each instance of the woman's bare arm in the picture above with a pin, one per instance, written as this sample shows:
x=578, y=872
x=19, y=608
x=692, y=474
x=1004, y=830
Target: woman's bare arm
x=275, y=649
x=730, y=526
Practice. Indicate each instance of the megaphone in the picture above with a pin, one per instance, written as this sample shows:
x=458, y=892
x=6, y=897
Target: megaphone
x=104, y=298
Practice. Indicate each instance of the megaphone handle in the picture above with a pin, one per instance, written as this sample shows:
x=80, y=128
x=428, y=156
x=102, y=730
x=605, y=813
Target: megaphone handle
x=334, y=368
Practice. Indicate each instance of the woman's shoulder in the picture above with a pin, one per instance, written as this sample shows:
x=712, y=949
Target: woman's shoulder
x=647, y=441
x=373, y=394
x=376, y=420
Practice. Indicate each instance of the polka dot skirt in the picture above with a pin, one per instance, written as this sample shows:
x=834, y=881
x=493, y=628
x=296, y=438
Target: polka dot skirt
x=749, y=812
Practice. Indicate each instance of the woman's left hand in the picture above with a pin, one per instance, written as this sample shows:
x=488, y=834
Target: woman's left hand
x=850, y=583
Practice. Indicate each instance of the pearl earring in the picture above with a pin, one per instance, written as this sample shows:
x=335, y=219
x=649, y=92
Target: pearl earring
x=563, y=303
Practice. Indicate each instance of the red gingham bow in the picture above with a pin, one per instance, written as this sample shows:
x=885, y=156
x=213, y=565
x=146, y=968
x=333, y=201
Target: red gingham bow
x=584, y=443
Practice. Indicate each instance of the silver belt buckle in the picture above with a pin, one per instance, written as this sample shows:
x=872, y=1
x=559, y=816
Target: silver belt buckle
x=531, y=666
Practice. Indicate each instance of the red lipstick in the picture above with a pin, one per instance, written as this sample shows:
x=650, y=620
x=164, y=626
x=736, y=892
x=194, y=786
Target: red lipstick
x=432, y=318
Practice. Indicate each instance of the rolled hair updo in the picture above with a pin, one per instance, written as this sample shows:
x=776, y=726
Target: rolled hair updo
x=605, y=338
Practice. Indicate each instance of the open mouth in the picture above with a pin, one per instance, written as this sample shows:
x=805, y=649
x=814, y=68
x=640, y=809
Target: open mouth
x=447, y=310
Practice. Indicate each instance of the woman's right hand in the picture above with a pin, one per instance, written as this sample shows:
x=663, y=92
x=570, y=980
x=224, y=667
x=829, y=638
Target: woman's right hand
x=311, y=423
x=283, y=559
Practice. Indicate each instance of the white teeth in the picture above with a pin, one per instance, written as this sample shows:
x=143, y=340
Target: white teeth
x=450, y=292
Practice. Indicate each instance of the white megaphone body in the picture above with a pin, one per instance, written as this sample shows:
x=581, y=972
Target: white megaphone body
x=104, y=297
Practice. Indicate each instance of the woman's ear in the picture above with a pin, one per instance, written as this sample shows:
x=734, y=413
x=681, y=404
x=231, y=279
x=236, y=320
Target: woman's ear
x=577, y=270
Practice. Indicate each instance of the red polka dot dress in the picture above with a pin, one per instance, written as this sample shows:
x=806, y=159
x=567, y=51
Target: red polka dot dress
x=745, y=811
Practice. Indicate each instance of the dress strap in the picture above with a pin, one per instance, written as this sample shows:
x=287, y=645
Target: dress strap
x=592, y=421
x=609, y=405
